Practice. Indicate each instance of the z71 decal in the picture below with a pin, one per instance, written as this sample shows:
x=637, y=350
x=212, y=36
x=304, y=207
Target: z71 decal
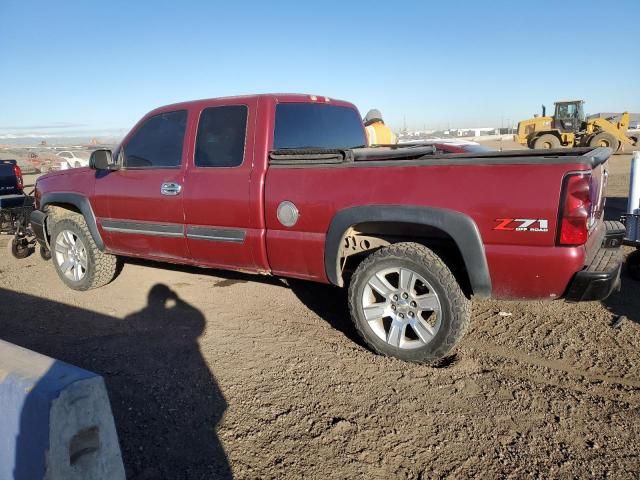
x=522, y=224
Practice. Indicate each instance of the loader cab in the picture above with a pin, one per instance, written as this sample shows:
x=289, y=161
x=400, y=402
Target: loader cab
x=569, y=116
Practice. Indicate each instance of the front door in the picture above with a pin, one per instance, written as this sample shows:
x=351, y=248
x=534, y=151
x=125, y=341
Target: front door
x=143, y=200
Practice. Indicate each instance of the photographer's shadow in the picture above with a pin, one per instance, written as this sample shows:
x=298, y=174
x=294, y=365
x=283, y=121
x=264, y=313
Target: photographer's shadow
x=178, y=401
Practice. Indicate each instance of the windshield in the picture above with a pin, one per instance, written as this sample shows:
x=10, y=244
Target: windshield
x=312, y=125
x=570, y=110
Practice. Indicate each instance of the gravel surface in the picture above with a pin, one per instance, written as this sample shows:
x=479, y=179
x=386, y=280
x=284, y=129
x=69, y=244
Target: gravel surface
x=217, y=375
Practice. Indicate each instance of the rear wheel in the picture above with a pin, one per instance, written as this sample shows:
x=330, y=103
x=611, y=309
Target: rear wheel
x=604, y=139
x=546, y=142
x=407, y=304
x=77, y=260
x=20, y=247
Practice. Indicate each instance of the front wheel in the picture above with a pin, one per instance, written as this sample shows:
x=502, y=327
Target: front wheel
x=77, y=260
x=546, y=142
x=407, y=304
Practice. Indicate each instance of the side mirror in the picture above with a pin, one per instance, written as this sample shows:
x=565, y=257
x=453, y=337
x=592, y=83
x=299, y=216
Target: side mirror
x=101, y=159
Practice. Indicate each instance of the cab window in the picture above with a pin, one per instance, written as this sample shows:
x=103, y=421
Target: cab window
x=157, y=143
x=221, y=136
x=313, y=125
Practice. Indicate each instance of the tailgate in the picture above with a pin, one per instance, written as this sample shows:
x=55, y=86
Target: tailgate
x=8, y=179
x=599, y=178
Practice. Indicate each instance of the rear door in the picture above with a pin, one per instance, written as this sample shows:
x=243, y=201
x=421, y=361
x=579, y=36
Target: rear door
x=223, y=221
x=144, y=199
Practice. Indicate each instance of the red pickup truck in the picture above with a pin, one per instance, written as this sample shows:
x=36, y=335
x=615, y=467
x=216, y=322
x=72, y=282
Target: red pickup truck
x=285, y=185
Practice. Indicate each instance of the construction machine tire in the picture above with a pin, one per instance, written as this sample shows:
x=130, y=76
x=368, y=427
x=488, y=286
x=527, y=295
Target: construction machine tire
x=546, y=142
x=530, y=141
x=636, y=140
x=604, y=139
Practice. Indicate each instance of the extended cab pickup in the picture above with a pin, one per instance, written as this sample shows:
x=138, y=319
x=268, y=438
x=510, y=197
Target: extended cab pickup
x=285, y=185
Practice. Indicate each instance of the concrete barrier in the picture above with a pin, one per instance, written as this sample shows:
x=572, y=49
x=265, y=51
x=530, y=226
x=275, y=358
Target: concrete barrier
x=55, y=420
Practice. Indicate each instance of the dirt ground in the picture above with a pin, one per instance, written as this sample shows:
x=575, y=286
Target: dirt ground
x=217, y=375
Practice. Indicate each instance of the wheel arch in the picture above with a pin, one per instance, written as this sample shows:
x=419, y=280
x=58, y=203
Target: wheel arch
x=458, y=227
x=78, y=203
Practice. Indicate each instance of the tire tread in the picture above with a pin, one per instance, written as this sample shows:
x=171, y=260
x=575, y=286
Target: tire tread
x=460, y=304
x=106, y=266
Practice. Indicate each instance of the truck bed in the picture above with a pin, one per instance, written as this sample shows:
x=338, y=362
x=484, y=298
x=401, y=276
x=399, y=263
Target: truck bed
x=486, y=187
x=427, y=155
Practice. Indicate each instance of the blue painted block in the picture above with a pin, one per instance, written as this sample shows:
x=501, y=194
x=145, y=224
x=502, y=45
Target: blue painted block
x=55, y=420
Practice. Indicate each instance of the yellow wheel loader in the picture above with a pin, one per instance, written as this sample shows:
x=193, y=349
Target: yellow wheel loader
x=568, y=127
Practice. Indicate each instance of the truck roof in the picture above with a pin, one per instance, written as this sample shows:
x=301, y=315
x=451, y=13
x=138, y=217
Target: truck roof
x=277, y=97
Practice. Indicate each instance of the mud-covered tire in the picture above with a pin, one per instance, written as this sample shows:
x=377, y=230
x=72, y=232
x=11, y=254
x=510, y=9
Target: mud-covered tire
x=454, y=306
x=604, y=139
x=45, y=253
x=20, y=248
x=530, y=141
x=101, y=268
x=546, y=142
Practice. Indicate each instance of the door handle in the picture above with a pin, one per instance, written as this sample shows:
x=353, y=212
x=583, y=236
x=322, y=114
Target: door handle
x=171, y=189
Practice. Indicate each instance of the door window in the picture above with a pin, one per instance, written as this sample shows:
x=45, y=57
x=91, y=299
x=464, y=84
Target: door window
x=158, y=142
x=221, y=136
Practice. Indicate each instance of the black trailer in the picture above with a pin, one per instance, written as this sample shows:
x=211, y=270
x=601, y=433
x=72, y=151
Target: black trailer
x=15, y=208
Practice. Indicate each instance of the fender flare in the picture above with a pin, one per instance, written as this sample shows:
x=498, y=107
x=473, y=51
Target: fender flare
x=81, y=203
x=460, y=227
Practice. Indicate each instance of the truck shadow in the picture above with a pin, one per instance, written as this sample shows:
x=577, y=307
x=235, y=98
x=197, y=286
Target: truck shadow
x=326, y=301
x=627, y=301
x=165, y=401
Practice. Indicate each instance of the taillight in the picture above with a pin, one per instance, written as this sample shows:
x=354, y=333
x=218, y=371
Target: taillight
x=18, y=173
x=576, y=210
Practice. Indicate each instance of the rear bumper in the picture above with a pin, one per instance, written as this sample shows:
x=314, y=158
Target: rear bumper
x=37, y=221
x=601, y=277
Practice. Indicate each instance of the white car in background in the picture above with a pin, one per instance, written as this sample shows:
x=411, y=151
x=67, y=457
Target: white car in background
x=73, y=159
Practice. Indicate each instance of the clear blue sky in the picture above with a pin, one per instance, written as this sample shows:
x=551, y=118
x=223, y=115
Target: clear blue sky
x=103, y=64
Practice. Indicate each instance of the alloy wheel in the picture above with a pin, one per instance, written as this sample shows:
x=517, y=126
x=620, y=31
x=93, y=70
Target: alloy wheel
x=71, y=255
x=402, y=308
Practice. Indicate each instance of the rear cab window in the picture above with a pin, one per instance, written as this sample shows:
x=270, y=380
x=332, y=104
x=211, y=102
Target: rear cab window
x=314, y=125
x=221, y=136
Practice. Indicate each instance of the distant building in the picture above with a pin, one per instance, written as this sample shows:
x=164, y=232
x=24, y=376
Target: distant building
x=633, y=117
